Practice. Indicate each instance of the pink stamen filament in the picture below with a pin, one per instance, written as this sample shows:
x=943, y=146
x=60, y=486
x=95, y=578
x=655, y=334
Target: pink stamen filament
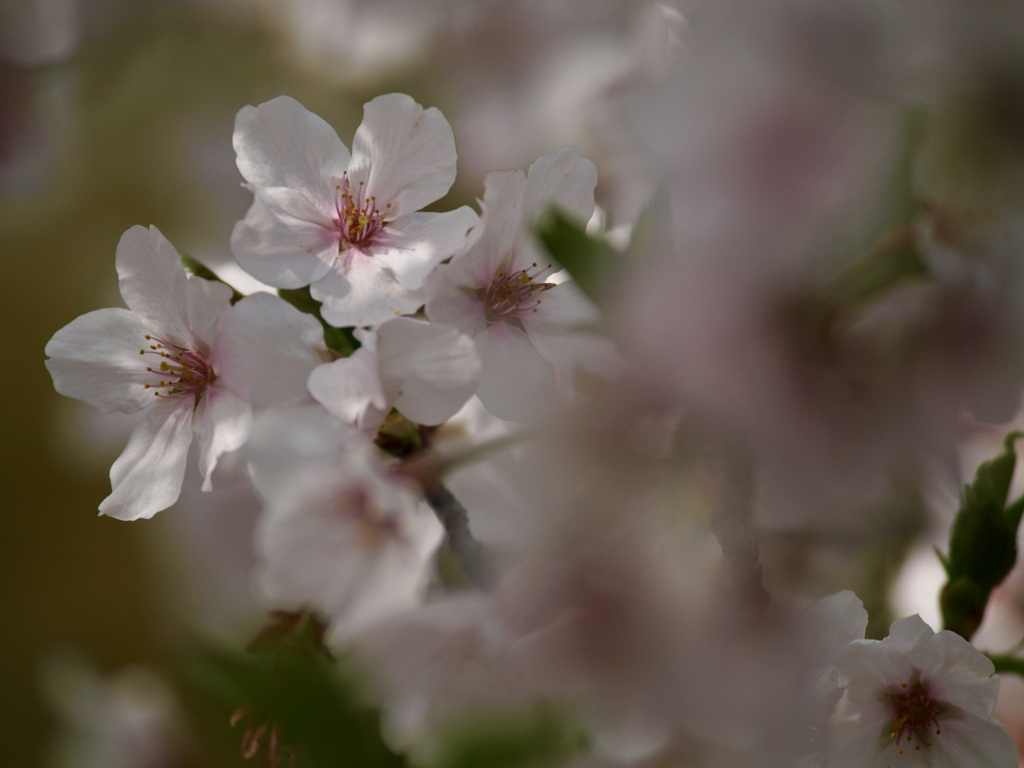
x=513, y=294
x=357, y=217
x=183, y=372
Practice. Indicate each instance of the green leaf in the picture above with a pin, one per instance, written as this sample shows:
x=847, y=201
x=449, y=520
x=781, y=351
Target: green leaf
x=197, y=268
x=340, y=340
x=589, y=260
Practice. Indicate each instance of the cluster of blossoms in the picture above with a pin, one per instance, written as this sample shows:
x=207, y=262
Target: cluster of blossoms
x=581, y=431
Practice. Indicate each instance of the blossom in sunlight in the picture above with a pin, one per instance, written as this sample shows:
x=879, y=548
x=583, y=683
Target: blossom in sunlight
x=917, y=698
x=339, y=533
x=503, y=294
x=348, y=225
x=160, y=355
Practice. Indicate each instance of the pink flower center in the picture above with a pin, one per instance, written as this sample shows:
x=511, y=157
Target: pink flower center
x=357, y=217
x=915, y=715
x=181, y=372
x=514, y=294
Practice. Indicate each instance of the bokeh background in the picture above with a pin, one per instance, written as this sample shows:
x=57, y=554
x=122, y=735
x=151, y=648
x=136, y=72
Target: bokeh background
x=120, y=112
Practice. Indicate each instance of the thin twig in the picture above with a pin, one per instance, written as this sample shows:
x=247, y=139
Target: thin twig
x=454, y=518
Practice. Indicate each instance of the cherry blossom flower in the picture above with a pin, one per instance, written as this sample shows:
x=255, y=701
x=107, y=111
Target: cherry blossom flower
x=426, y=371
x=339, y=533
x=159, y=355
x=348, y=225
x=503, y=292
x=917, y=698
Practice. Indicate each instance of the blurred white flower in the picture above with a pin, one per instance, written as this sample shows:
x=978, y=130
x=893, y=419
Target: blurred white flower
x=443, y=666
x=339, y=533
x=130, y=719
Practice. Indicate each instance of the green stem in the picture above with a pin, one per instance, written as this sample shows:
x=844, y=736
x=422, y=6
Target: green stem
x=1005, y=664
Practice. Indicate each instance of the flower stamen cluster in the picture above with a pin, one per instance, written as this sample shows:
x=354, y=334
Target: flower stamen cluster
x=357, y=217
x=914, y=715
x=513, y=294
x=187, y=371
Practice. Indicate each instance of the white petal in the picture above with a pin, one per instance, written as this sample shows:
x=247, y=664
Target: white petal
x=429, y=371
x=96, y=358
x=907, y=632
x=152, y=283
x=351, y=389
x=404, y=153
x=503, y=225
x=973, y=740
x=266, y=349
x=392, y=583
x=957, y=672
x=222, y=424
x=365, y=294
x=146, y=477
x=205, y=302
x=557, y=333
x=517, y=383
x=563, y=178
x=418, y=242
x=285, y=441
x=280, y=143
x=569, y=349
x=835, y=621
x=451, y=301
x=282, y=250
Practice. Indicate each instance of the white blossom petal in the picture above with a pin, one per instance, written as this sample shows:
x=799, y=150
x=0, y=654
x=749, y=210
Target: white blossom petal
x=365, y=294
x=404, y=153
x=152, y=282
x=205, y=302
x=281, y=250
x=146, y=477
x=450, y=302
x=351, y=389
x=428, y=371
x=517, y=383
x=563, y=178
x=221, y=424
x=266, y=349
x=280, y=143
x=503, y=225
x=96, y=358
x=418, y=242
x=285, y=440
x=559, y=333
